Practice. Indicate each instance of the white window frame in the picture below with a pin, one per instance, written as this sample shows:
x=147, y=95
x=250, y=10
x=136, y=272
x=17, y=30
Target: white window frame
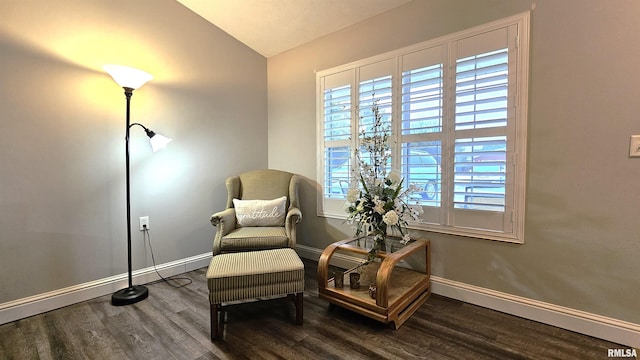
x=443, y=218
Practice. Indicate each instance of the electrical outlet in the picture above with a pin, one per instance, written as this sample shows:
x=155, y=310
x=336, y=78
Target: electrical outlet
x=144, y=223
x=634, y=146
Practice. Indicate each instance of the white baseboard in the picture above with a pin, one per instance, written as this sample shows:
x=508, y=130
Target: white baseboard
x=614, y=330
x=37, y=304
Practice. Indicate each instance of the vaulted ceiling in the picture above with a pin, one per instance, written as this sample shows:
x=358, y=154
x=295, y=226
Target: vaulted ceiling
x=273, y=26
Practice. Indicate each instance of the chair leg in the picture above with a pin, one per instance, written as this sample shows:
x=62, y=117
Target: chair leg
x=299, y=308
x=215, y=321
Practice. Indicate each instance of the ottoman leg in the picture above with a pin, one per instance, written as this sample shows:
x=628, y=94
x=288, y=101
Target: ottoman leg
x=299, y=309
x=215, y=321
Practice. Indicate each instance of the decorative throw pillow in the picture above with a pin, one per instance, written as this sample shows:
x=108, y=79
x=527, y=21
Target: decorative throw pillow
x=260, y=212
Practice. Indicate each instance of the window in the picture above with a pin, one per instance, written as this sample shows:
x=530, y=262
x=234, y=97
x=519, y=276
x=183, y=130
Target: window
x=337, y=134
x=457, y=110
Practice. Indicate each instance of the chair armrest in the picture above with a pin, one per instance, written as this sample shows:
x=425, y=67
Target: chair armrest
x=225, y=221
x=227, y=216
x=294, y=215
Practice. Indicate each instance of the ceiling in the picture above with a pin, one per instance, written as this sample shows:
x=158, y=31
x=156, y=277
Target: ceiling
x=274, y=26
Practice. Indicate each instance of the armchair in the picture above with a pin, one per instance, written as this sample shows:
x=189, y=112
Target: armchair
x=235, y=234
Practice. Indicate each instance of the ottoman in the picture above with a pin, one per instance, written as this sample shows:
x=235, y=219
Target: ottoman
x=251, y=275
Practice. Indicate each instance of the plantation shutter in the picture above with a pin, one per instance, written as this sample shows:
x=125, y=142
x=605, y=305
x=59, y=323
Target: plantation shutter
x=421, y=128
x=456, y=111
x=483, y=122
x=336, y=138
x=375, y=86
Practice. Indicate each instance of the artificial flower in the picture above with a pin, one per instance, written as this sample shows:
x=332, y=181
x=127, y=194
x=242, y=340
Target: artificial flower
x=378, y=203
x=353, y=195
x=390, y=217
x=395, y=177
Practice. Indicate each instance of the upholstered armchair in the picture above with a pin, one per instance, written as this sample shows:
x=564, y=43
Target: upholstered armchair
x=261, y=213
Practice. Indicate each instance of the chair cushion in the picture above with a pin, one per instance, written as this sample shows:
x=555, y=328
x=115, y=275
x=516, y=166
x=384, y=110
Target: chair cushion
x=253, y=274
x=254, y=238
x=260, y=212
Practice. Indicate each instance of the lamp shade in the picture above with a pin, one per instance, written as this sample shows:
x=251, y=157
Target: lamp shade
x=158, y=142
x=127, y=77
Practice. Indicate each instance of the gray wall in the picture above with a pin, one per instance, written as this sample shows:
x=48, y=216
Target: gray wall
x=582, y=240
x=62, y=124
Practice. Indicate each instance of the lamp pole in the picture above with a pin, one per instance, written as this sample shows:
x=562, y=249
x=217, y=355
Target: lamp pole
x=131, y=294
x=128, y=92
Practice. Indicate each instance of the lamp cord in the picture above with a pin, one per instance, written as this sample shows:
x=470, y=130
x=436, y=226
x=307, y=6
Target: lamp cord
x=147, y=234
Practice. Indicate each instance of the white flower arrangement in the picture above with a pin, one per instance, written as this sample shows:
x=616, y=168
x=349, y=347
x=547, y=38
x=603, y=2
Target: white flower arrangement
x=379, y=203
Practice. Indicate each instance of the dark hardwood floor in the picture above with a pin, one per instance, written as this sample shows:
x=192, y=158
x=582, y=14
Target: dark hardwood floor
x=173, y=323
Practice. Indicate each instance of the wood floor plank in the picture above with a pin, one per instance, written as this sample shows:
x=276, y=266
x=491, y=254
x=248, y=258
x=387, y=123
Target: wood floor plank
x=86, y=334
x=129, y=332
x=169, y=335
x=173, y=323
x=15, y=344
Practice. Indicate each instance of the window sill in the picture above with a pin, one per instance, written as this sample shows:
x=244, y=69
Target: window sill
x=450, y=230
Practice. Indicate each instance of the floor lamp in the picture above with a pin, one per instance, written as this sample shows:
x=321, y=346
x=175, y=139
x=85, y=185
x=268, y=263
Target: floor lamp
x=131, y=79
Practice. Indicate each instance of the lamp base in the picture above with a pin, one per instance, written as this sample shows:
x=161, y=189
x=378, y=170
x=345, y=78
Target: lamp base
x=130, y=295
